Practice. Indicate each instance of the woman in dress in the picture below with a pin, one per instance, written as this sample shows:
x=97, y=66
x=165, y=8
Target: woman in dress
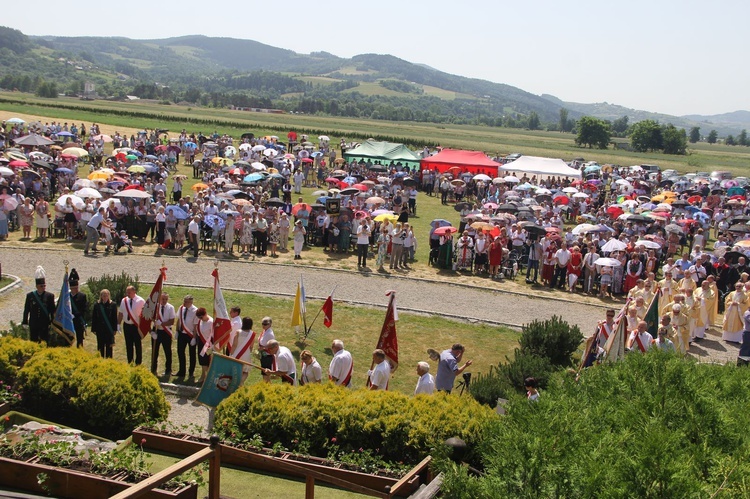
x=382, y=243
x=229, y=235
x=345, y=234
x=203, y=338
x=284, y=227
x=69, y=217
x=298, y=234
x=246, y=235
x=496, y=256
x=3, y=224
x=606, y=272
x=273, y=235
x=575, y=265
x=104, y=323
x=42, y=218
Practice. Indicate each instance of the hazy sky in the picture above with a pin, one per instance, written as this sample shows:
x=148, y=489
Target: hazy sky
x=674, y=57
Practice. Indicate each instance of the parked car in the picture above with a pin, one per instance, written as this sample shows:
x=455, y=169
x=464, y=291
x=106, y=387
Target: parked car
x=721, y=175
x=651, y=168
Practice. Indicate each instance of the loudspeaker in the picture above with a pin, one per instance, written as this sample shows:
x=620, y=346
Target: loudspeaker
x=333, y=206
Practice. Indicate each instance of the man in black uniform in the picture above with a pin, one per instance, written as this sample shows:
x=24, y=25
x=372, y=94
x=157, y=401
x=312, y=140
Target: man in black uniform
x=78, y=303
x=39, y=309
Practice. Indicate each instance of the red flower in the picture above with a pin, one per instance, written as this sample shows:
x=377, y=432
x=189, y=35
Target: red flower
x=143, y=441
x=333, y=440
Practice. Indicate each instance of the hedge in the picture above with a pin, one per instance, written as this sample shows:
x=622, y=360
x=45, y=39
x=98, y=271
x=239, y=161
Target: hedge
x=321, y=419
x=14, y=353
x=100, y=396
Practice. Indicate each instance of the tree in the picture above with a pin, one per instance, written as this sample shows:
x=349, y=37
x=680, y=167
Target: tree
x=674, y=139
x=742, y=138
x=712, y=137
x=620, y=126
x=646, y=136
x=564, y=123
x=534, y=122
x=695, y=134
x=729, y=140
x=593, y=132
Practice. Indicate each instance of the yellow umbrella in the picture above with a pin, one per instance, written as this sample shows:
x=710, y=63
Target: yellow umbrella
x=272, y=170
x=136, y=169
x=222, y=161
x=199, y=186
x=76, y=151
x=482, y=226
x=98, y=176
x=386, y=216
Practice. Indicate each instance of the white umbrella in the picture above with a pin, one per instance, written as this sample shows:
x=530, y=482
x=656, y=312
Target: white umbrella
x=614, y=245
x=580, y=195
x=511, y=178
x=270, y=153
x=259, y=148
x=324, y=138
x=483, y=177
x=570, y=190
x=608, y=262
x=543, y=192
x=6, y=172
x=622, y=181
x=258, y=166
x=498, y=180
x=83, y=182
x=230, y=151
x=582, y=228
x=111, y=203
x=629, y=203
x=663, y=207
x=245, y=146
x=647, y=244
x=133, y=193
x=77, y=202
x=88, y=192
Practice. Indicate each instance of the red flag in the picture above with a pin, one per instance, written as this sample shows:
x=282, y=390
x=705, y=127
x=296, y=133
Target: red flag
x=388, y=341
x=148, y=314
x=328, y=312
x=222, y=321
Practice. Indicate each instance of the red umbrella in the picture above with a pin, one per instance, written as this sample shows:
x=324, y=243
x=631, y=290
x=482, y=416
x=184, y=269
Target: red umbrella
x=442, y=231
x=361, y=214
x=299, y=206
x=134, y=187
x=332, y=180
x=121, y=156
x=236, y=171
x=615, y=211
x=561, y=200
x=550, y=230
x=361, y=187
x=577, y=183
x=495, y=231
x=16, y=163
x=694, y=199
x=307, y=160
x=160, y=148
x=738, y=196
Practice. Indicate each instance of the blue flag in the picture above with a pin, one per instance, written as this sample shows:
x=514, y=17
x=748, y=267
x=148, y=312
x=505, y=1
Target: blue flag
x=223, y=379
x=63, y=321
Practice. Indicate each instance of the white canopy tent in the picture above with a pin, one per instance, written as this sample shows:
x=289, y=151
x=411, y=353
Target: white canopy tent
x=541, y=166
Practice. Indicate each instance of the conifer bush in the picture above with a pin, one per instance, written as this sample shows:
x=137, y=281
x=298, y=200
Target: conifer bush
x=14, y=353
x=116, y=284
x=100, y=396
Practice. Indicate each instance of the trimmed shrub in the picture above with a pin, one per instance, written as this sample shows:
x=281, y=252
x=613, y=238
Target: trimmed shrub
x=553, y=339
x=100, y=396
x=325, y=419
x=14, y=353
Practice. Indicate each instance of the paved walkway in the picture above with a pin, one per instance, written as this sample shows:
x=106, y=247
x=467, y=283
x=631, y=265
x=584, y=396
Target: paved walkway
x=418, y=295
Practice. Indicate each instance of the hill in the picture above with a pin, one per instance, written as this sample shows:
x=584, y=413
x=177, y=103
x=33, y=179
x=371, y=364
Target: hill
x=226, y=72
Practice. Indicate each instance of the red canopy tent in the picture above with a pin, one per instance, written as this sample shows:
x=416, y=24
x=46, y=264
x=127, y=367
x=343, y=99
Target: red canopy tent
x=474, y=162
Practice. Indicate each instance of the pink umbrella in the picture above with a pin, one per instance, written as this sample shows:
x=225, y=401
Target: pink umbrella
x=10, y=204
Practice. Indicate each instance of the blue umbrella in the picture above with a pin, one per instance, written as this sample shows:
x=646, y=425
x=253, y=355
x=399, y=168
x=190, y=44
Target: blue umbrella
x=316, y=154
x=253, y=177
x=65, y=134
x=350, y=180
x=214, y=221
x=190, y=145
x=150, y=168
x=592, y=168
x=64, y=170
x=736, y=191
x=321, y=199
x=692, y=209
x=151, y=156
x=277, y=175
x=178, y=212
x=136, y=153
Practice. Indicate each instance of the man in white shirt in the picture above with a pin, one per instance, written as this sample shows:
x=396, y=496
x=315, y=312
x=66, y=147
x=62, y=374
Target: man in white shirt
x=562, y=257
x=163, y=334
x=342, y=365
x=363, y=243
x=426, y=382
x=285, y=365
x=92, y=231
x=194, y=231
x=381, y=374
x=236, y=321
x=640, y=339
x=186, y=322
x=129, y=314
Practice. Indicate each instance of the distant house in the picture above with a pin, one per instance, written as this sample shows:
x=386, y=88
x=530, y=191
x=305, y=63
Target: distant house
x=132, y=97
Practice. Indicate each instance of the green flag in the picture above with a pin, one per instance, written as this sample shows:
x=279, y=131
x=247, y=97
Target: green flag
x=223, y=379
x=652, y=315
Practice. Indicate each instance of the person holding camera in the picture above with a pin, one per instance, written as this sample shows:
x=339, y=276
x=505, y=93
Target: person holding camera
x=448, y=368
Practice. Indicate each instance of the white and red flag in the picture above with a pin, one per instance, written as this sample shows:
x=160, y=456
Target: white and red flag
x=149, y=312
x=222, y=321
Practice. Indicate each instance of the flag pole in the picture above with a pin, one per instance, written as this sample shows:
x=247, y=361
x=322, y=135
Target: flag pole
x=307, y=331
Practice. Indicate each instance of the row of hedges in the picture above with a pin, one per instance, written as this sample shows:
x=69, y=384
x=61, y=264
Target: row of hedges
x=76, y=388
x=319, y=419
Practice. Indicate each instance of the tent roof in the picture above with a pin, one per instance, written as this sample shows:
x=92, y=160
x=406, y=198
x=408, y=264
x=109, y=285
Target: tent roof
x=458, y=157
x=390, y=151
x=541, y=166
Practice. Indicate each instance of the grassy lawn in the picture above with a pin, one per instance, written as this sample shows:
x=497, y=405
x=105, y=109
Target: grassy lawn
x=247, y=484
x=4, y=281
x=358, y=327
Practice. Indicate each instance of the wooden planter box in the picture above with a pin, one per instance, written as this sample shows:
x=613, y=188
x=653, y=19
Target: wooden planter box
x=259, y=461
x=4, y=408
x=65, y=483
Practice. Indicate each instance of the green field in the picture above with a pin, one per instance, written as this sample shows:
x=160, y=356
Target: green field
x=700, y=157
